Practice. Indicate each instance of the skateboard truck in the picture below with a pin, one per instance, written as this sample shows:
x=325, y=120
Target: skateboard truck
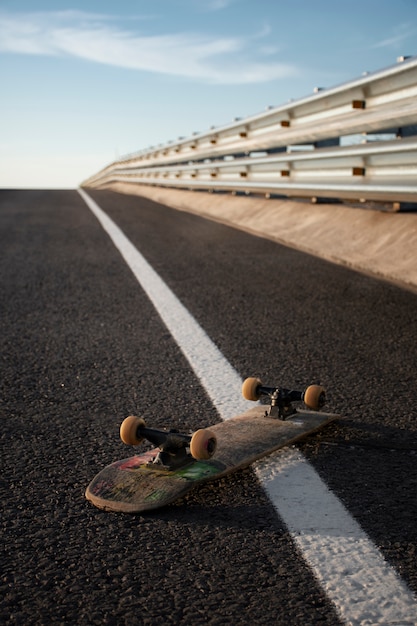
x=173, y=445
x=314, y=397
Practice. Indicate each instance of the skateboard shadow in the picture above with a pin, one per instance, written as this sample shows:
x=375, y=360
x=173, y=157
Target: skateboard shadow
x=350, y=432
x=234, y=501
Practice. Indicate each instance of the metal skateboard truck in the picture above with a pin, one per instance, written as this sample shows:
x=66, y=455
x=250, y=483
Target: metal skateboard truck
x=314, y=397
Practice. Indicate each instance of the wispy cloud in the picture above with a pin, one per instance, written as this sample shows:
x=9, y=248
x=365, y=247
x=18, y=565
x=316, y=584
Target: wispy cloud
x=400, y=35
x=96, y=38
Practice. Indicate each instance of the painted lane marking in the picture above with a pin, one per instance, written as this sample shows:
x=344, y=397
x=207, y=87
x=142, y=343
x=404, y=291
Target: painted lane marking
x=363, y=587
x=351, y=570
x=203, y=355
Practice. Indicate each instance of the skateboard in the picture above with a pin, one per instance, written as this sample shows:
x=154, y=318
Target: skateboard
x=181, y=461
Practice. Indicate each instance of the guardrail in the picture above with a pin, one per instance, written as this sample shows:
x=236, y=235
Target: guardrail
x=379, y=171
x=283, y=150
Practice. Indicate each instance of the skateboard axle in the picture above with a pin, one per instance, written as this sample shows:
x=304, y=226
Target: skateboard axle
x=173, y=446
x=169, y=441
x=281, y=399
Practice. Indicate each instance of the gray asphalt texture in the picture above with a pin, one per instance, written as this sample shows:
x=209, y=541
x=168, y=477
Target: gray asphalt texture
x=82, y=347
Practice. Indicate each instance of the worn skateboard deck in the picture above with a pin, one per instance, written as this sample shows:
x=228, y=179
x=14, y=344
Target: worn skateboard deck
x=133, y=485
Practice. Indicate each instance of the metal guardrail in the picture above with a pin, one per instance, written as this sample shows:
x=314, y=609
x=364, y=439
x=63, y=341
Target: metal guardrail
x=385, y=101
x=370, y=170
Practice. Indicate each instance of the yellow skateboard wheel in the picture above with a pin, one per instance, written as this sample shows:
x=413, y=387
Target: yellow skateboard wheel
x=129, y=429
x=249, y=389
x=315, y=397
x=203, y=444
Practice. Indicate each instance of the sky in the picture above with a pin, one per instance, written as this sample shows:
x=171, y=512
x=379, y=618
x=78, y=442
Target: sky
x=84, y=82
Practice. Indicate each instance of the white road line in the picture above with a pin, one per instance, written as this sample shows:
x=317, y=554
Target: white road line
x=363, y=587
x=353, y=573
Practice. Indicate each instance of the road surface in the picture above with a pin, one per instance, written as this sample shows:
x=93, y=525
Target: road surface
x=83, y=345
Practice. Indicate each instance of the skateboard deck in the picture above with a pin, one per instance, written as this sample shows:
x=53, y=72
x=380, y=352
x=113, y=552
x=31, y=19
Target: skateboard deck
x=137, y=484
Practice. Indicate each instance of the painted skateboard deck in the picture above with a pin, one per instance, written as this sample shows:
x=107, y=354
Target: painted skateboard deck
x=136, y=484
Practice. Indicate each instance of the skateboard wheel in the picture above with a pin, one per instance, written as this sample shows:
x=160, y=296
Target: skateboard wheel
x=129, y=430
x=315, y=397
x=250, y=389
x=203, y=444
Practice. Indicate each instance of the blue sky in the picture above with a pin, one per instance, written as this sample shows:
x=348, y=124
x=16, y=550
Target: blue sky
x=83, y=82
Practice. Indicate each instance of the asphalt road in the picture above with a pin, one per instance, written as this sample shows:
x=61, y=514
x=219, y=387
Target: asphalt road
x=82, y=347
